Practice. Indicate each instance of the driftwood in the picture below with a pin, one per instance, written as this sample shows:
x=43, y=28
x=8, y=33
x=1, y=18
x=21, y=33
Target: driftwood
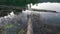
x=29, y=27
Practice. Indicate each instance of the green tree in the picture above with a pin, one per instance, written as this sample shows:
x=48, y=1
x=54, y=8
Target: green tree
x=17, y=2
x=24, y=2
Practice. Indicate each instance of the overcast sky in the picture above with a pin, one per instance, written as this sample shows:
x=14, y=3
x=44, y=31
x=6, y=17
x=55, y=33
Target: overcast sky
x=47, y=6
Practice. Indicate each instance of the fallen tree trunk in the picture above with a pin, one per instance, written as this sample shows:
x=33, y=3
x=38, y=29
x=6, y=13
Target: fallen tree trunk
x=29, y=27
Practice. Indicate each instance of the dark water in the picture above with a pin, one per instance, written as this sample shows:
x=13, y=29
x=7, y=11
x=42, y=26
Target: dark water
x=51, y=18
x=13, y=25
x=45, y=21
x=49, y=23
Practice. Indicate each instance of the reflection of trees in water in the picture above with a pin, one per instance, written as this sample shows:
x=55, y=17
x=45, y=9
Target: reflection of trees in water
x=39, y=26
x=13, y=25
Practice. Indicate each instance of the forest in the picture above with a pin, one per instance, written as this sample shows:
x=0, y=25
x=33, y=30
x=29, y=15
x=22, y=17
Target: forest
x=23, y=2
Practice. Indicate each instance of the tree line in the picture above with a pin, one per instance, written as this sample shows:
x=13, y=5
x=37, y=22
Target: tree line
x=23, y=2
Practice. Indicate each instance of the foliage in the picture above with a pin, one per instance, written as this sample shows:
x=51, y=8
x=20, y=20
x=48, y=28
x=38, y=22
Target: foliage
x=9, y=25
x=4, y=32
x=23, y=31
x=23, y=2
x=17, y=2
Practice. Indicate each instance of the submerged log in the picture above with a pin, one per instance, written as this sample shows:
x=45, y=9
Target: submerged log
x=29, y=27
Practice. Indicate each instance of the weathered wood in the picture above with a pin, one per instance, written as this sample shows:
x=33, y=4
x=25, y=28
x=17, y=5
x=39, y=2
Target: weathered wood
x=29, y=27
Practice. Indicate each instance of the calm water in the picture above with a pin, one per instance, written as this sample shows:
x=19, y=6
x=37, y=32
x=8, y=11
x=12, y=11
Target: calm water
x=13, y=24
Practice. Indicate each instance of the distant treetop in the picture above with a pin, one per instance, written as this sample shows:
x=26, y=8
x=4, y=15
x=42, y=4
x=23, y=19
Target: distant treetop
x=23, y=2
